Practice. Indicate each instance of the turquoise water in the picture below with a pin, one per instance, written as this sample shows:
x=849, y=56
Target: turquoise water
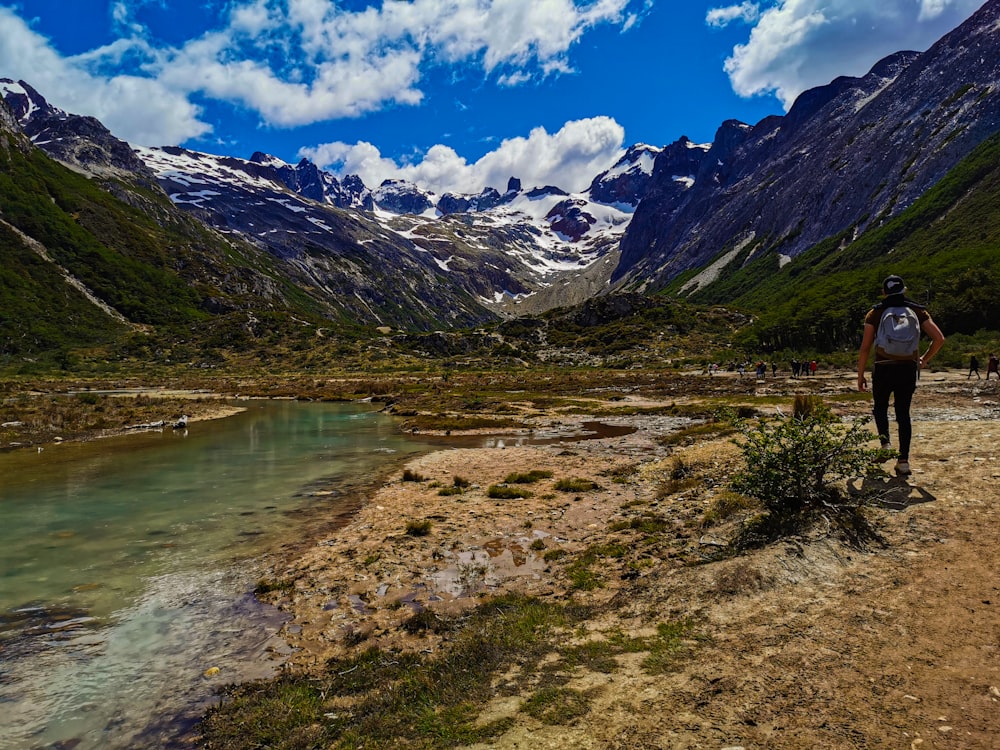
x=126, y=565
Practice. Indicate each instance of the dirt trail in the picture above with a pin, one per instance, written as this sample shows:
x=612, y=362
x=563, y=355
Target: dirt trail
x=808, y=644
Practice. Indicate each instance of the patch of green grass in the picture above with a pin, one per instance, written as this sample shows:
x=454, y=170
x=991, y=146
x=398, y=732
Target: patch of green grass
x=581, y=574
x=576, y=485
x=668, y=646
x=647, y=523
x=527, y=477
x=597, y=656
x=727, y=505
x=504, y=492
x=267, y=585
x=377, y=699
x=557, y=705
x=697, y=432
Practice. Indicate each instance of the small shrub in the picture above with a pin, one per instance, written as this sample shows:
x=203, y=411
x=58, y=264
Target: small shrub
x=504, y=492
x=576, y=485
x=418, y=528
x=267, y=585
x=411, y=476
x=679, y=468
x=461, y=483
x=446, y=491
x=537, y=545
x=554, y=554
x=795, y=468
x=529, y=477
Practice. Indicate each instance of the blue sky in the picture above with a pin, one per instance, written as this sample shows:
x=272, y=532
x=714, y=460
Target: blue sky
x=452, y=94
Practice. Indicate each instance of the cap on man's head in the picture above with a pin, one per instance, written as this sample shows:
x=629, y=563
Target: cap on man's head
x=893, y=285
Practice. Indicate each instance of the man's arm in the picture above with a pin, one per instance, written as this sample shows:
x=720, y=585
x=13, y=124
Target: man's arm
x=937, y=340
x=866, y=349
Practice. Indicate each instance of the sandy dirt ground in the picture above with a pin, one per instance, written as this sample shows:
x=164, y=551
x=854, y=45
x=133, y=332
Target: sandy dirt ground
x=806, y=644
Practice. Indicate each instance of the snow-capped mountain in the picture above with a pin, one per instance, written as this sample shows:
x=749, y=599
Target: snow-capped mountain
x=513, y=249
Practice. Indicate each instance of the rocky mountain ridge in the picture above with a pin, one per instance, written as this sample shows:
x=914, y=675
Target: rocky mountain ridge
x=520, y=251
x=845, y=157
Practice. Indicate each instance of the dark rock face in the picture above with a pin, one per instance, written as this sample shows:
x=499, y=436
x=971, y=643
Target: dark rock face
x=401, y=197
x=569, y=219
x=540, y=192
x=845, y=156
x=452, y=203
x=78, y=141
x=308, y=180
x=628, y=180
x=8, y=121
x=604, y=310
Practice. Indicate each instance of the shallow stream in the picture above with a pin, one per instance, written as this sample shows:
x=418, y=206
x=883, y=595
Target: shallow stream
x=127, y=565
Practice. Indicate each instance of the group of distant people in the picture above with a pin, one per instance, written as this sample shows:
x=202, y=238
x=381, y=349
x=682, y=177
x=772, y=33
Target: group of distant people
x=760, y=369
x=992, y=366
x=800, y=369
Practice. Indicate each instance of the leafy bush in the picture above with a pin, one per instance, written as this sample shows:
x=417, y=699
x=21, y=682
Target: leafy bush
x=796, y=467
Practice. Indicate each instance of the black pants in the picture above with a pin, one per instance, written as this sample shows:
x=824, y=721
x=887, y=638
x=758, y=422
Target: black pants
x=898, y=379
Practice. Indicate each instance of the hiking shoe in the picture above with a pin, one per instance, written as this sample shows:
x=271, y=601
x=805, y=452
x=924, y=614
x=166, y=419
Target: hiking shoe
x=886, y=445
x=903, y=468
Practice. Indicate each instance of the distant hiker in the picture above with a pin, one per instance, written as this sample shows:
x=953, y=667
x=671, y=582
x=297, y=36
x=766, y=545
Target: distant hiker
x=812, y=368
x=893, y=326
x=974, y=368
x=795, y=368
x=761, y=371
x=993, y=366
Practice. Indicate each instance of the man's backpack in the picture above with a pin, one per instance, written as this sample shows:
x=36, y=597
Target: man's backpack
x=898, y=331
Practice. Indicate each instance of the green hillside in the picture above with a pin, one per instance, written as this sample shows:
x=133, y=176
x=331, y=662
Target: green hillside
x=946, y=246
x=169, y=276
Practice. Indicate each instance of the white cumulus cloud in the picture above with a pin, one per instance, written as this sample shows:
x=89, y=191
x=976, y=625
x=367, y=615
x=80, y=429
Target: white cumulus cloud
x=140, y=109
x=568, y=158
x=798, y=44
x=297, y=62
x=747, y=12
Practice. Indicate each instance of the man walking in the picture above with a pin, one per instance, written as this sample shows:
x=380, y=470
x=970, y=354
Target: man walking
x=974, y=368
x=894, y=327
